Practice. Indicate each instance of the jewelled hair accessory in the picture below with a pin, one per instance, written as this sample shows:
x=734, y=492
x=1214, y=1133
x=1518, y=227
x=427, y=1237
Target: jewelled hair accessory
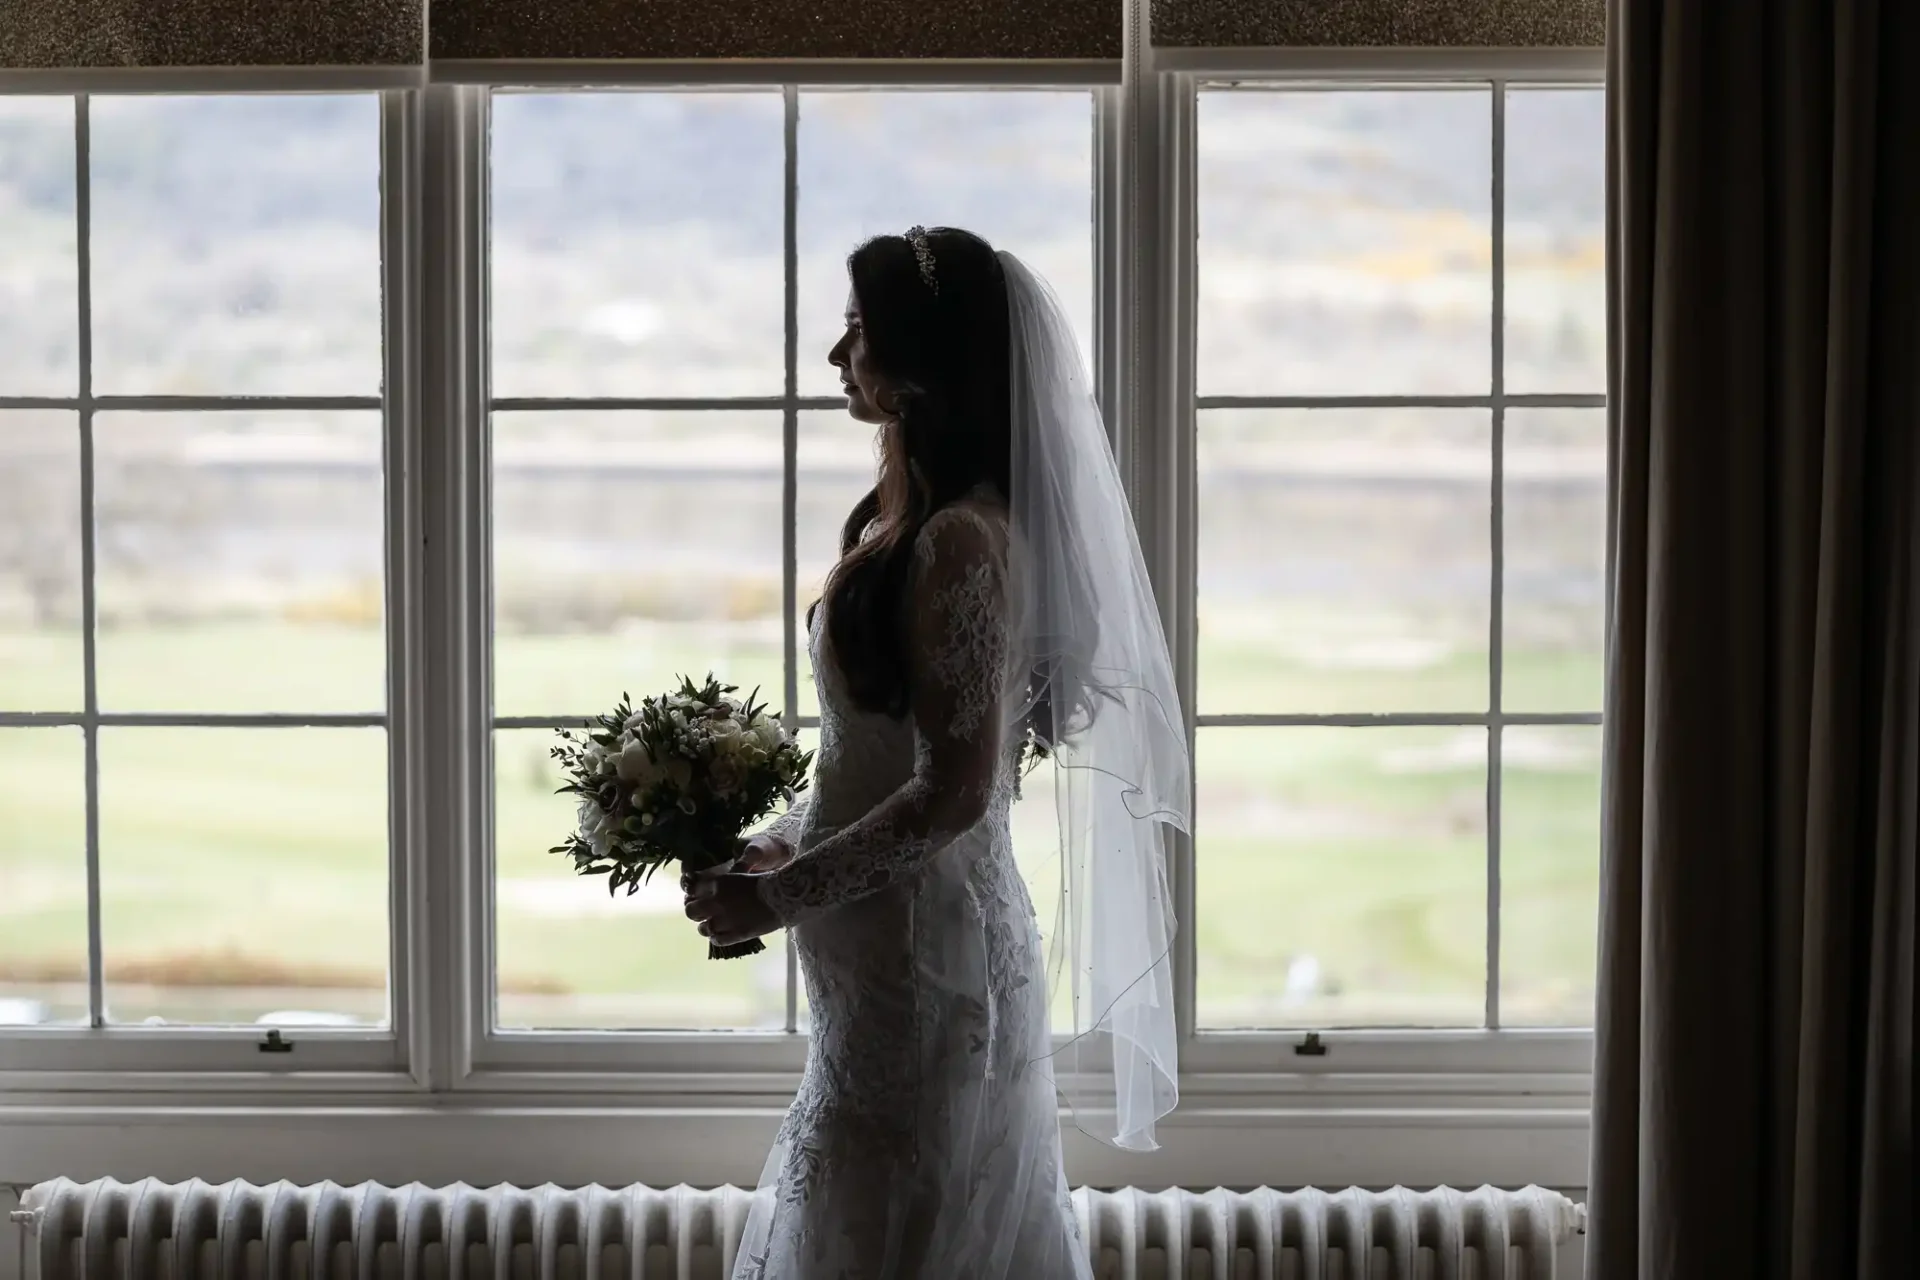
x=923, y=254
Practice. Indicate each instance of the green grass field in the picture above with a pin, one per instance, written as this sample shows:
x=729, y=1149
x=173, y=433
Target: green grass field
x=1341, y=872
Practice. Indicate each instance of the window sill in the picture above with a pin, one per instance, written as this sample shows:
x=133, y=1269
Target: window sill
x=1329, y=1128
x=1202, y=1145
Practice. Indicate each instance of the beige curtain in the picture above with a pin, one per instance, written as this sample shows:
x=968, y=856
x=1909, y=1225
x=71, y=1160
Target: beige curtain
x=1754, y=1086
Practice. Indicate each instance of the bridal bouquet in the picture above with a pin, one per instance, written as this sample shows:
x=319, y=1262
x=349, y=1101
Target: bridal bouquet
x=677, y=780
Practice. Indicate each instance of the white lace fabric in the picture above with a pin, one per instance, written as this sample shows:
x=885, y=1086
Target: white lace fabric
x=958, y=642
x=924, y=1139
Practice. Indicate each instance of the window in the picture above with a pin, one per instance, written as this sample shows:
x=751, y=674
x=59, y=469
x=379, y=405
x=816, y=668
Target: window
x=350, y=443
x=671, y=459
x=193, y=657
x=1401, y=472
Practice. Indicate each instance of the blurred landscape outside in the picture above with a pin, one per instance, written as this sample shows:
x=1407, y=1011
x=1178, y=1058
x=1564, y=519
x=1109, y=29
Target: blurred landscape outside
x=1345, y=557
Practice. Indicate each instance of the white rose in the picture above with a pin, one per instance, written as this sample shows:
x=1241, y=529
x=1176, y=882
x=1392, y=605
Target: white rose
x=636, y=764
x=768, y=734
x=680, y=773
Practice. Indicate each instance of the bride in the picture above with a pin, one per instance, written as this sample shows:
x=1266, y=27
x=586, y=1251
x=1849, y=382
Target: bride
x=990, y=608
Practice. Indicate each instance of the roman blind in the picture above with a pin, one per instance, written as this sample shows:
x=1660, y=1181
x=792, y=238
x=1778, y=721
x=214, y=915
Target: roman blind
x=1379, y=23
x=548, y=30
x=61, y=34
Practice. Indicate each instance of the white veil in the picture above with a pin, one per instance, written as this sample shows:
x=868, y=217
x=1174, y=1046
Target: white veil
x=1101, y=698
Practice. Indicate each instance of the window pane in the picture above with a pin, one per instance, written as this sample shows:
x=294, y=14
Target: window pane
x=1344, y=560
x=835, y=467
x=570, y=956
x=236, y=245
x=43, y=877
x=1013, y=166
x=1556, y=292
x=1549, y=874
x=244, y=875
x=239, y=562
x=630, y=549
x=1341, y=877
x=40, y=646
x=1556, y=531
x=637, y=244
x=1345, y=241
x=39, y=268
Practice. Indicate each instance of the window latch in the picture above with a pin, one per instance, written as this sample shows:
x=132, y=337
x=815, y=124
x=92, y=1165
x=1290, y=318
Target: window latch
x=276, y=1043
x=1311, y=1047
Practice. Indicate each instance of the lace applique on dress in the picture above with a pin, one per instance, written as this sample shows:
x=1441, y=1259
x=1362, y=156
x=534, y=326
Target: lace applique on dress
x=979, y=646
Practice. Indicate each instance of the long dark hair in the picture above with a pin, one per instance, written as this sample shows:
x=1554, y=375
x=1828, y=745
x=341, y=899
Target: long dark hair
x=944, y=352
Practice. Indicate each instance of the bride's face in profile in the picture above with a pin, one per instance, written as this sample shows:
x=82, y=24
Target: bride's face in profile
x=868, y=399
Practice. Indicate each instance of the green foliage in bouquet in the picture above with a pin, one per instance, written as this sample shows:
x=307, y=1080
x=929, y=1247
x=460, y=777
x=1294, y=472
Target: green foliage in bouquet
x=677, y=780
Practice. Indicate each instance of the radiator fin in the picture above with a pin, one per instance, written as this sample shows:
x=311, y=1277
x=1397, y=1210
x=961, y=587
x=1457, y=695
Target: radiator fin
x=152, y=1230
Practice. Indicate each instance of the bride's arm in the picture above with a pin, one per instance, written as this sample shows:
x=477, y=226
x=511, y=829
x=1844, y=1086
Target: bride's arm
x=957, y=653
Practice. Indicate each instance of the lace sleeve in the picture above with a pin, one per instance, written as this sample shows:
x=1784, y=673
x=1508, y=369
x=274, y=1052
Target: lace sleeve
x=957, y=635
x=790, y=824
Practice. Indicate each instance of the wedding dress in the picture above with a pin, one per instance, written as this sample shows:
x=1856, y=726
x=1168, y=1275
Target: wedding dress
x=925, y=1139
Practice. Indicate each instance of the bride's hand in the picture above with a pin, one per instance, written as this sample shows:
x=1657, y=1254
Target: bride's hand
x=725, y=902
x=762, y=853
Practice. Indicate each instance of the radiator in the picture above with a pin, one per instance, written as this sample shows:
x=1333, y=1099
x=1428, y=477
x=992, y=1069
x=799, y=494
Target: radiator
x=236, y=1231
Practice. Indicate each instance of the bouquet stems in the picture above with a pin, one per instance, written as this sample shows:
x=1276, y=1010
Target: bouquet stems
x=738, y=950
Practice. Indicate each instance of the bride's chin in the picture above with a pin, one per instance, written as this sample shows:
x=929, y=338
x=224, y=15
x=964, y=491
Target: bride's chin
x=861, y=411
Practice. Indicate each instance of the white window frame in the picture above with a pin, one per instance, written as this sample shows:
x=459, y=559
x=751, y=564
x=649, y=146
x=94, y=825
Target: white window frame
x=100, y=1048
x=764, y=1063
x=1513, y=1061
x=1378, y=1106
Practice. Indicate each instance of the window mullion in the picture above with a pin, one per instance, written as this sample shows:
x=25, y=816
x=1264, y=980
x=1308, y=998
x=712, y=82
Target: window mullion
x=452, y=907
x=790, y=463
x=406, y=643
x=89, y=590
x=1176, y=464
x=1496, y=609
x=1154, y=384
